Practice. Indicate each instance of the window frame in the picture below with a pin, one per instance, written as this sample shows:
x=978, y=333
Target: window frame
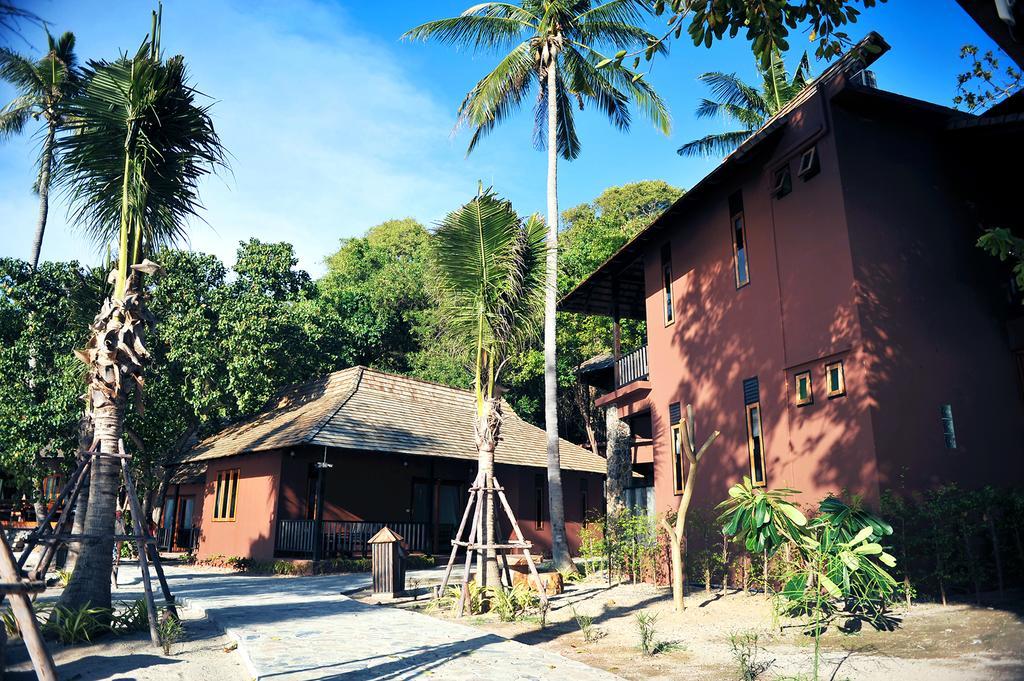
x=668, y=307
x=839, y=391
x=810, y=164
x=745, y=280
x=782, y=182
x=678, y=466
x=225, y=489
x=748, y=409
x=803, y=402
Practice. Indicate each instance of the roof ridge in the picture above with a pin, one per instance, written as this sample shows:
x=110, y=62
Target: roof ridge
x=317, y=427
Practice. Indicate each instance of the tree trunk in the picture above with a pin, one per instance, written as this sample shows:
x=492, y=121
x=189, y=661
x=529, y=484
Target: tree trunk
x=90, y=582
x=490, y=429
x=995, y=549
x=678, y=595
x=116, y=356
x=45, y=166
x=619, y=462
x=556, y=504
x=725, y=563
x=85, y=435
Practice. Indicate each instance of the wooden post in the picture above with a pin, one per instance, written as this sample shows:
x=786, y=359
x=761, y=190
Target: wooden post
x=455, y=547
x=616, y=334
x=24, y=614
x=474, y=499
x=521, y=540
x=140, y=542
x=43, y=525
x=51, y=549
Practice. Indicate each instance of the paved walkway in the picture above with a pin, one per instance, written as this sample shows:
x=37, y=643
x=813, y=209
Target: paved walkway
x=304, y=628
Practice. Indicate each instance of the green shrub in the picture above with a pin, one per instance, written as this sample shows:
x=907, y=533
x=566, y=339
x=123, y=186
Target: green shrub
x=418, y=562
x=170, y=630
x=130, y=617
x=645, y=626
x=513, y=604
x=76, y=625
x=586, y=625
x=749, y=655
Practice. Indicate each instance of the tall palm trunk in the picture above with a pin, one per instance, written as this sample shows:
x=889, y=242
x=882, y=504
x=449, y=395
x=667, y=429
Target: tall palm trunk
x=556, y=506
x=489, y=430
x=116, y=356
x=45, y=166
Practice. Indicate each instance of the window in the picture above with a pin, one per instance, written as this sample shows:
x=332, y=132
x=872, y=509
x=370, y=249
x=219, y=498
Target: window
x=739, y=240
x=809, y=165
x=538, y=488
x=782, y=183
x=666, y=276
x=678, y=469
x=755, y=432
x=804, y=392
x=835, y=383
x=948, y=430
x=584, y=505
x=227, y=491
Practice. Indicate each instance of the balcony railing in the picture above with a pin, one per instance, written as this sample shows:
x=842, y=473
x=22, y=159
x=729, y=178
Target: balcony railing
x=345, y=538
x=631, y=367
x=180, y=538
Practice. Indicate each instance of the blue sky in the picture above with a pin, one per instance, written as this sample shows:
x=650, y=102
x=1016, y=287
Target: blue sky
x=335, y=125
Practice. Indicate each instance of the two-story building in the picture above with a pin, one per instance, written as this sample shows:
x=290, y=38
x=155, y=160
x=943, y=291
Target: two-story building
x=820, y=299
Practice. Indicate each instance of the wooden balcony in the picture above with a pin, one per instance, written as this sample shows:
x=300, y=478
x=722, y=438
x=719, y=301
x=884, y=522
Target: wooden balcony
x=631, y=367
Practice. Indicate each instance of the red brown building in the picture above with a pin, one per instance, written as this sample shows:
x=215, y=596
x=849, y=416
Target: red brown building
x=820, y=300
x=398, y=451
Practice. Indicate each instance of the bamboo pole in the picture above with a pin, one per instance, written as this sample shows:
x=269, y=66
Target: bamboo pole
x=25, y=615
x=140, y=542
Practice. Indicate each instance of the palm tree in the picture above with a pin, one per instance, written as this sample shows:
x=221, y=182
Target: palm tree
x=489, y=267
x=559, y=48
x=745, y=104
x=46, y=89
x=139, y=146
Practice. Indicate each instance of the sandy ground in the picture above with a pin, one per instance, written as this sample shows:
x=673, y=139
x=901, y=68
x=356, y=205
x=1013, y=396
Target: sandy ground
x=203, y=653
x=962, y=642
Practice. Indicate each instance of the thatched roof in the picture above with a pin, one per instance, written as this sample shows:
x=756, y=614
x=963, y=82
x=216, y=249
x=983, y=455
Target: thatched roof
x=369, y=410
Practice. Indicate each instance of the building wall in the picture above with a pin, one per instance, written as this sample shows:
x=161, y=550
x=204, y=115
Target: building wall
x=797, y=313
x=376, y=486
x=933, y=330
x=251, y=533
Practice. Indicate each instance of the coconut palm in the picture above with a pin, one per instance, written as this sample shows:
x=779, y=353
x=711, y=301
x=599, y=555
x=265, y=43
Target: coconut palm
x=139, y=145
x=489, y=267
x=46, y=88
x=745, y=105
x=570, y=53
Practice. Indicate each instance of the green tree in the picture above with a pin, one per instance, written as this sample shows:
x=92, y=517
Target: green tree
x=375, y=293
x=560, y=48
x=489, y=267
x=45, y=89
x=43, y=316
x=745, y=105
x=138, y=148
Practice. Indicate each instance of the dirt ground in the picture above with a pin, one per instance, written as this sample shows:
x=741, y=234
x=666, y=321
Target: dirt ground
x=962, y=642
x=203, y=653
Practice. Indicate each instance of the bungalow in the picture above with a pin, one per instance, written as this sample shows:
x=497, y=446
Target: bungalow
x=820, y=300
x=335, y=459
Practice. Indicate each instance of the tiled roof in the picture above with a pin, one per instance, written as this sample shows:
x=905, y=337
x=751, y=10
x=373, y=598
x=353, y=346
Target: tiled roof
x=369, y=410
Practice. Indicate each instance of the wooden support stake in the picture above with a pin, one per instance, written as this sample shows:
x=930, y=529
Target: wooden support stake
x=154, y=629
x=51, y=550
x=25, y=615
x=455, y=549
x=526, y=551
x=43, y=526
x=474, y=499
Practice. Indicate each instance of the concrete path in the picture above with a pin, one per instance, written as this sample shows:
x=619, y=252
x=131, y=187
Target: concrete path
x=304, y=628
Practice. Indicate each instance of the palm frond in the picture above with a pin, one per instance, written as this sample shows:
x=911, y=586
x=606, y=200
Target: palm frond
x=568, y=143
x=619, y=35
x=498, y=94
x=729, y=89
x=586, y=79
x=481, y=32
x=138, y=134
x=20, y=72
x=16, y=115
x=718, y=144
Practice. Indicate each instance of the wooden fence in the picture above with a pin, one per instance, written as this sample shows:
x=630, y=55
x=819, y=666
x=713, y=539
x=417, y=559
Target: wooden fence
x=343, y=538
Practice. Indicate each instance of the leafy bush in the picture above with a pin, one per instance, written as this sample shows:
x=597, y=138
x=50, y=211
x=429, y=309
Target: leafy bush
x=586, y=625
x=629, y=538
x=63, y=577
x=512, y=604
x=170, y=631
x=749, y=655
x=418, y=562
x=645, y=626
x=130, y=618
x=76, y=625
